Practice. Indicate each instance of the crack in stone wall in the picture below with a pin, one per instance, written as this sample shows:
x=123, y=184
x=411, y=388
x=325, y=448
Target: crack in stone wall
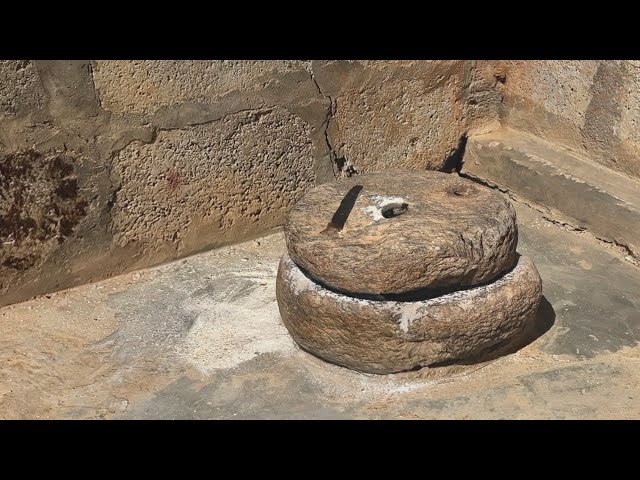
x=325, y=124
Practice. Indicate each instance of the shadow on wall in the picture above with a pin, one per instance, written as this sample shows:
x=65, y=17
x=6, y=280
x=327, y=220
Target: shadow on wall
x=453, y=162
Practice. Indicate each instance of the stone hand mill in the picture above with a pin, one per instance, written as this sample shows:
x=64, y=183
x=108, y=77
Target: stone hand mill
x=394, y=271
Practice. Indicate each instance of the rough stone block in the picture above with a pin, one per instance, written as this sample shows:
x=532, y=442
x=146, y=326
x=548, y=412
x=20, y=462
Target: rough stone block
x=394, y=114
x=144, y=86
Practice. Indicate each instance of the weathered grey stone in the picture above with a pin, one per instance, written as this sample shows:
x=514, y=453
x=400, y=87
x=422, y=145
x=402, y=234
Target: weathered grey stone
x=180, y=156
x=386, y=337
x=582, y=194
x=455, y=233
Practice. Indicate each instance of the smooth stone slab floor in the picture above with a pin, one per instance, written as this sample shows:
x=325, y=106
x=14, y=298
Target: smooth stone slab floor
x=202, y=338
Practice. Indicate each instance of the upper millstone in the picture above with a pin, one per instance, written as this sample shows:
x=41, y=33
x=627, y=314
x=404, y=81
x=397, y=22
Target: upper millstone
x=402, y=231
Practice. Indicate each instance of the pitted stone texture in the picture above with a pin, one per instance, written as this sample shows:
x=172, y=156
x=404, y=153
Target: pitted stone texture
x=391, y=114
x=20, y=88
x=41, y=206
x=143, y=86
x=212, y=183
x=454, y=234
x=387, y=337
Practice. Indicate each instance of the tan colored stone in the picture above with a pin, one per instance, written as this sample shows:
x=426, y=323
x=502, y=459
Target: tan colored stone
x=143, y=86
x=181, y=156
x=408, y=114
x=20, y=88
x=387, y=337
x=212, y=182
x=455, y=233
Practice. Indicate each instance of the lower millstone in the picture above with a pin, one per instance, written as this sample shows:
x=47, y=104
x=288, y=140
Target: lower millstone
x=388, y=337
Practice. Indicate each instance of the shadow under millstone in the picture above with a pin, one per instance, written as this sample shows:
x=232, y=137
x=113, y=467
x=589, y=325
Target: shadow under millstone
x=543, y=321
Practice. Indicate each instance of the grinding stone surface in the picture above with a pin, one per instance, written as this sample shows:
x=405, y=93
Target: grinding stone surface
x=453, y=234
x=387, y=337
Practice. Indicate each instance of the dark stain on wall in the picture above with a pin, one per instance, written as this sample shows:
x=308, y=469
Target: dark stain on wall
x=40, y=205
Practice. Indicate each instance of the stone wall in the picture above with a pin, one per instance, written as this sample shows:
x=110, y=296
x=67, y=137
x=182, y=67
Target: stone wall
x=109, y=166
x=590, y=107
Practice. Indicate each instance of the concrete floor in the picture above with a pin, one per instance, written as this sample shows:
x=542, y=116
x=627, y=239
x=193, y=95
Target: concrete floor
x=201, y=338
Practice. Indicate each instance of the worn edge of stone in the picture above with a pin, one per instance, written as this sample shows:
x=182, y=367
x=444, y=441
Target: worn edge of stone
x=599, y=221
